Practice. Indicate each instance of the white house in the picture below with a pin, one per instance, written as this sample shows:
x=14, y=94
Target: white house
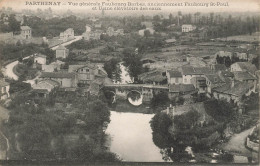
x=26, y=32
x=174, y=77
x=62, y=52
x=189, y=72
x=40, y=59
x=4, y=87
x=68, y=34
x=187, y=28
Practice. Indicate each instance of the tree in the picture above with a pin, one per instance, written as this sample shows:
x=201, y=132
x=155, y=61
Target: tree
x=147, y=33
x=14, y=24
x=159, y=100
x=160, y=124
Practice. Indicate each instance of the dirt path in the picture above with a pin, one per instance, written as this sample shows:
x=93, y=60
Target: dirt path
x=236, y=144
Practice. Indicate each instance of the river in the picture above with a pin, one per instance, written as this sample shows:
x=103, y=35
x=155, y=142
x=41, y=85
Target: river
x=131, y=137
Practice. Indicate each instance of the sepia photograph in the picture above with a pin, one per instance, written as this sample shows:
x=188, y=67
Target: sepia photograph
x=116, y=82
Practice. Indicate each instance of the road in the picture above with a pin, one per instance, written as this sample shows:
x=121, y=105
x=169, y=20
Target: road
x=236, y=145
x=8, y=69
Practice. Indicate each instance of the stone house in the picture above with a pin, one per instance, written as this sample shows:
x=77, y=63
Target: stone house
x=200, y=84
x=173, y=77
x=233, y=91
x=245, y=76
x=224, y=53
x=54, y=66
x=213, y=81
x=87, y=73
x=189, y=72
x=26, y=32
x=180, y=90
x=187, y=28
x=62, y=52
x=68, y=34
x=243, y=66
x=4, y=93
x=65, y=79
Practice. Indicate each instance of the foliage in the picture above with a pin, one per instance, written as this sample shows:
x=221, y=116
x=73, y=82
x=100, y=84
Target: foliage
x=160, y=124
x=132, y=61
x=112, y=68
x=186, y=121
x=84, y=44
x=160, y=99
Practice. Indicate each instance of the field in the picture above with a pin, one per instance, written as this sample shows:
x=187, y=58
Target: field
x=245, y=38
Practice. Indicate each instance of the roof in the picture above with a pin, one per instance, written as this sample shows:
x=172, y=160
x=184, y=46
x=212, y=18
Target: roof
x=25, y=28
x=239, y=88
x=40, y=91
x=57, y=75
x=73, y=68
x=3, y=83
x=181, y=88
x=214, y=78
x=189, y=70
x=51, y=82
x=243, y=75
x=174, y=73
x=61, y=47
x=247, y=66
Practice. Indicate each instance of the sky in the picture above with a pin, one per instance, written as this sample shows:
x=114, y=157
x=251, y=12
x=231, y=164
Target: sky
x=178, y=5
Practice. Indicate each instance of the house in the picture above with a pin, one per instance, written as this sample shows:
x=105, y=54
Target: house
x=67, y=35
x=4, y=93
x=173, y=77
x=199, y=83
x=189, y=72
x=147, y=61
x=26, y=32
x=233, y=91
x=141, y=32
x=47, y=84
x=98, y=26
x=88, y=28
x=241, y=56
x=54, y=66
x=94, y=35
x=87, y=73
x=65, y=79
x=213, y=81
x=187, y=28
x=243, y=66
x=62, y=52
x=245, y=76
x=180, y=90
x=39, y=59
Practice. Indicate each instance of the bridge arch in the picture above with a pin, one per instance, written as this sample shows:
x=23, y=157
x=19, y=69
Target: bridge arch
x=134, y=99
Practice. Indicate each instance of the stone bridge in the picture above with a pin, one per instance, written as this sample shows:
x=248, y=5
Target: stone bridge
x=146, y=91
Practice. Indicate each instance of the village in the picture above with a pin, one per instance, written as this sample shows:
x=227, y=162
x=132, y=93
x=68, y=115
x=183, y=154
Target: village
x=170, y=66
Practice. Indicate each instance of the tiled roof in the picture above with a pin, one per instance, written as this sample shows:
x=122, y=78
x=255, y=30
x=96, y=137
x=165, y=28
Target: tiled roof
x=174, y=73
x=3, y=83
x=73, y=68
x=214, y=78
x=189, y=70
x=57, y=75
x=181, y=88
x=25, y=28
x=247, y=66
x=219, y=67
x=239, y=88
x=51, y=82
x=243, y=75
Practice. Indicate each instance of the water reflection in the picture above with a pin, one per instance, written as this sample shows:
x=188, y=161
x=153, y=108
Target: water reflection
x=131, y=137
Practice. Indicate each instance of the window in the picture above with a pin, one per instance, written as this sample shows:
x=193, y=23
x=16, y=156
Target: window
x=87, y=70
